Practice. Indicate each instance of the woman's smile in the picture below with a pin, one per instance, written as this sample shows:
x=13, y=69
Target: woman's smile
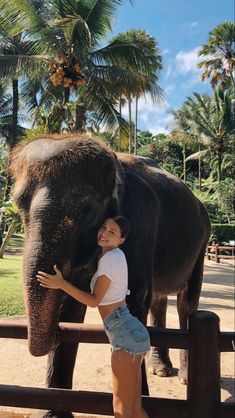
x=109, y=235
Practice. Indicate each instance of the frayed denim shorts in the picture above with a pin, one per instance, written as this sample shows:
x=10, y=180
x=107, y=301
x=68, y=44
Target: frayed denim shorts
x=126, y=332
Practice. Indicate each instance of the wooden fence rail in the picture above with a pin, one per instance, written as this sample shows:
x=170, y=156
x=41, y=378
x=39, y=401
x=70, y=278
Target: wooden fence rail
x=203, y=340
x=213, y=252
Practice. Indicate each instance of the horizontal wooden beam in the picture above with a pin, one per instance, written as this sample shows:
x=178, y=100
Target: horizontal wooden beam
x=89, y=333
x=84, y=402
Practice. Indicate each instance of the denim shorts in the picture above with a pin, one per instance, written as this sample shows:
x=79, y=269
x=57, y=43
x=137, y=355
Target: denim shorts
x=126, y=332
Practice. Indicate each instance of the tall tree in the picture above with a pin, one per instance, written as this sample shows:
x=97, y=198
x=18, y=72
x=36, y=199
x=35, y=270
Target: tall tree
x=184, y=138
x=145, y=75
x=219, y=54
x=210, y=119
x=66, y=36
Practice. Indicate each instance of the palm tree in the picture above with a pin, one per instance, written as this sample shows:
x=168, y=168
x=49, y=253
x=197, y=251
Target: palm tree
x=144, y=77
x=5, y=112
x=184, y=138
x=219, y=54
x=63, y=39
x=210, y=118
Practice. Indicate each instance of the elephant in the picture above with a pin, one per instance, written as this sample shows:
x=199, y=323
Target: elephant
x=66, y=185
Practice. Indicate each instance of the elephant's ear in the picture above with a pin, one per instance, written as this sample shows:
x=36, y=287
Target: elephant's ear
x=141, y=207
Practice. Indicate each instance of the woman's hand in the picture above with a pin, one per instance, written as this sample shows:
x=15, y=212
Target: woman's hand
x=51, y=281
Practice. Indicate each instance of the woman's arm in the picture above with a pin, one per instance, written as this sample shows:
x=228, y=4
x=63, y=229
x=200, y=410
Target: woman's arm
x=56, y=281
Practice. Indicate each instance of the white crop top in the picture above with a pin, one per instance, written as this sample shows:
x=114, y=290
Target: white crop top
x=113, y=265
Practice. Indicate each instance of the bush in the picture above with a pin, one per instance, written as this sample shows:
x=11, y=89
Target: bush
x=222, y=233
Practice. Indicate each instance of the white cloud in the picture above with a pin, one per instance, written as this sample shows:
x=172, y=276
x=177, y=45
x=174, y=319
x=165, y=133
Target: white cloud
x=193, y=24
x=152, y=117
x=186, y=61
x=161, y=124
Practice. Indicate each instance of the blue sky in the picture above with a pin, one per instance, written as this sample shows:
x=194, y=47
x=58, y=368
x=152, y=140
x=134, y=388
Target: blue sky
x=180, y=27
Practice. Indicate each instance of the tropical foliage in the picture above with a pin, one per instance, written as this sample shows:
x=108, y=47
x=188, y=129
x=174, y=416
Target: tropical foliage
x=61, y=56
x=219, y=54
x=58, y=73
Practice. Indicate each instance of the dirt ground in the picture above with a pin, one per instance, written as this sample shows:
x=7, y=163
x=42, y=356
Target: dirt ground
x=92, y=371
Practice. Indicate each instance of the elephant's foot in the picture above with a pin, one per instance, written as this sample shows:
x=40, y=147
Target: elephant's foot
x=160, y=367
x=183, y=376
x=53, y=414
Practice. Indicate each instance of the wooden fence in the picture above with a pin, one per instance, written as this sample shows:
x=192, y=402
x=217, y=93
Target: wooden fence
x=203, y=340
x=213, y=252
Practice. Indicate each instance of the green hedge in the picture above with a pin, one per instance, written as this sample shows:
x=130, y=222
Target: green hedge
x=222, y=233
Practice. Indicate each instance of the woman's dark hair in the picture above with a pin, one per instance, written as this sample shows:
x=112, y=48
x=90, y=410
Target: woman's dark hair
x=123, y=224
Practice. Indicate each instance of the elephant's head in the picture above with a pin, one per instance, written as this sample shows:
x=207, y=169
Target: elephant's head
x=64, y=188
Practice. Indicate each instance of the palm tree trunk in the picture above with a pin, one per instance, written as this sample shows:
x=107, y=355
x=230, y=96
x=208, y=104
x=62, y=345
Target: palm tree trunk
x=15, y=98
x=7, y=238
x=136, y=122
x=219, y=168
x=80, y=118
x=199, y=170
x=119, y=130
x=184, y=162
x=220, y=157
x=232, y=79
x=130, y=125
x=66, y=95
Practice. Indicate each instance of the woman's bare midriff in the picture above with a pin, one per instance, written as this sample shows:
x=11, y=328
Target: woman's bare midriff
x=105, y=310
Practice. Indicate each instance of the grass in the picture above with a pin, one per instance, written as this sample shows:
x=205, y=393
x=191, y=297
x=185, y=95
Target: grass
x=11, y=289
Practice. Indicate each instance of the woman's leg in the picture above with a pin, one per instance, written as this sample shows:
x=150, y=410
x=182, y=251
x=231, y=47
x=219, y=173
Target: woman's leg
x=138, y=410
x=126, y=382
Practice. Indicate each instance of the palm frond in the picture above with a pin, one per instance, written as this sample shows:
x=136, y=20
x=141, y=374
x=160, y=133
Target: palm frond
x=98, y=98
x=197, y=155
x=12, y=66
x=134, y=49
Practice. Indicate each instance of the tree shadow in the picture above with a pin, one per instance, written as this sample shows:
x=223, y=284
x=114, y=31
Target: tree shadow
x=219, y=274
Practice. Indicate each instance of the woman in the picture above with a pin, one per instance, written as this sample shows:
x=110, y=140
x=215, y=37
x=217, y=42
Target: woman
x=128, y=337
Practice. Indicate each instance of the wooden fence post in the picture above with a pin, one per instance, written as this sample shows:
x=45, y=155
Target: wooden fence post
x=217, y=260
x=204, y=365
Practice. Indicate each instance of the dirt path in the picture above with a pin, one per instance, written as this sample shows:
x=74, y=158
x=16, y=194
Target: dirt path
x=92, y=371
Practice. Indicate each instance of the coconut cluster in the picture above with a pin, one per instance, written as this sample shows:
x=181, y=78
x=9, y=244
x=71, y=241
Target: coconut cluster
x=66, y=74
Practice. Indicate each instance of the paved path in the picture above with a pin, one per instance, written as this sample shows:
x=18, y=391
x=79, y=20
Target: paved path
x=92, y=371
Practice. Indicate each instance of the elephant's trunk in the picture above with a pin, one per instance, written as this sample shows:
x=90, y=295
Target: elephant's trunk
x=42, y=305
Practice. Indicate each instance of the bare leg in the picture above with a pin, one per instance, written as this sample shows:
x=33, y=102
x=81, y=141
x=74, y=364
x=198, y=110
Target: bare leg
x=138, y=410
x=126, y=372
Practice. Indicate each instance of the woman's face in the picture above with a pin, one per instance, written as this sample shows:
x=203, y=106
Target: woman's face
x=109, y=235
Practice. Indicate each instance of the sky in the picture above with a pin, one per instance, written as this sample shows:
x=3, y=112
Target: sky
x=180, y=27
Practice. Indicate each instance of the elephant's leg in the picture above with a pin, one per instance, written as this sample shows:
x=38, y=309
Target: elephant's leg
x=183, y=312
x=159, y=361
x=187, y=303
x=61, y=361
